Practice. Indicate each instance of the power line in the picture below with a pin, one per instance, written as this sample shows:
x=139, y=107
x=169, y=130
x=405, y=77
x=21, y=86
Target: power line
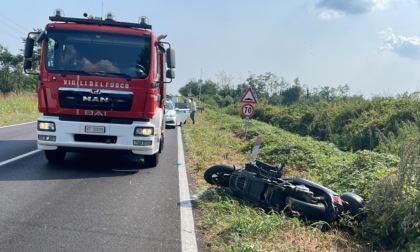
x=11, y=35
x=14, y=23
x=13, y=30
x=4, y=41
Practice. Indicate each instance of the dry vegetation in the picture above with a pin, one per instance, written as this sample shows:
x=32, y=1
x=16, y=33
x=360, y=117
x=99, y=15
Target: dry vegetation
x=18, y=107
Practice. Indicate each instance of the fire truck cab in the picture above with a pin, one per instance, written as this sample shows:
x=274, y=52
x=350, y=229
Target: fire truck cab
x=102, y=86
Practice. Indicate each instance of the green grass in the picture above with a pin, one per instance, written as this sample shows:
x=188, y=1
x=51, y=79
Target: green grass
x=232, y=224
x=388, y=185
x=18, y=108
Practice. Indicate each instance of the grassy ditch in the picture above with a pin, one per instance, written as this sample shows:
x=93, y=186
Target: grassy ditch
x=18, y=108
x=232, y=224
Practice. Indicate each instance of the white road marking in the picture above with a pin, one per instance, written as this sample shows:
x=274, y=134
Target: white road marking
x=19, y=157
x=188, y=240
x=8, y=126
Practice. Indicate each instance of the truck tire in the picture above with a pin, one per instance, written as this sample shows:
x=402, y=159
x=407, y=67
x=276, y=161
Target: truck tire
x=55, y=156
x=162, y=143
x=151, y=160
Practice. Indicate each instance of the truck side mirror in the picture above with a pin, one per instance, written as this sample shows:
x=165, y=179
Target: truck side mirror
x=170, y=74
x=27, y=64
x=170, y=58
x=29, y=47
x=29, y=50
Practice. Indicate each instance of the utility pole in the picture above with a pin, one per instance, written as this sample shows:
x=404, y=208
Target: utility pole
x=200, y=83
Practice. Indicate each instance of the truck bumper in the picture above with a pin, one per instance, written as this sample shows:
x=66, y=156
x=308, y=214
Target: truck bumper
x=82, y=136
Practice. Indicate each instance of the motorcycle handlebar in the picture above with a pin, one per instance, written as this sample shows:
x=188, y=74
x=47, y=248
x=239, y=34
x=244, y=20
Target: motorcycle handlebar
x=265, y=169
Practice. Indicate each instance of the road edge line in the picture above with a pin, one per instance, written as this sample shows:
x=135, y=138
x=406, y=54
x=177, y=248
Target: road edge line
x=13, y=125
x=188, y=239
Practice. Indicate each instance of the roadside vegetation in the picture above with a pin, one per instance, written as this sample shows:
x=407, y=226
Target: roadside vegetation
x=350, y=122
x=345, y=142
x=18, y=100
x=390, y=187
x=18, y=107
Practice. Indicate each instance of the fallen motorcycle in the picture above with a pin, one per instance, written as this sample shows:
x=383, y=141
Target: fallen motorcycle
x=264, y=185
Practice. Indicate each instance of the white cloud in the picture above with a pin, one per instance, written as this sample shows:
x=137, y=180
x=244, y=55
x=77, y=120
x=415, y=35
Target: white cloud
x=403, y=46
x=331, y=9
x=330, y=14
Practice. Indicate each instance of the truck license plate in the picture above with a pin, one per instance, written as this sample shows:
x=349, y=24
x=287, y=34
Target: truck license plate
x=95, y=129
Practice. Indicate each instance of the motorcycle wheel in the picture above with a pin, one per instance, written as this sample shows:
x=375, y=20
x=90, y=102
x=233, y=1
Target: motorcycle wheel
x=355, y=204
x=218, y=175
x=309, y=210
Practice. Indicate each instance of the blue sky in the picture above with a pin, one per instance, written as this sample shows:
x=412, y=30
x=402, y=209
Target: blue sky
x=371, y=45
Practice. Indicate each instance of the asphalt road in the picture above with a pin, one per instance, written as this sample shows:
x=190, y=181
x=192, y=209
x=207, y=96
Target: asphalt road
x=88, y=203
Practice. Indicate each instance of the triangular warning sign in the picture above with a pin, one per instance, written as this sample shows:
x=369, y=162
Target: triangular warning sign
x=248, y=96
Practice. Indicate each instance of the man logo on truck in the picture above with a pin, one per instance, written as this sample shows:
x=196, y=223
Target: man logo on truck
x=95, y=99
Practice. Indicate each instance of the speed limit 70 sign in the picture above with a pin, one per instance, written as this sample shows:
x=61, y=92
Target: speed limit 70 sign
x=247, y=110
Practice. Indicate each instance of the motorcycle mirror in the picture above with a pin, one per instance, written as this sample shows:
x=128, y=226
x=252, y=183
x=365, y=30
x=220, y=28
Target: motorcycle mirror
x=255, y=149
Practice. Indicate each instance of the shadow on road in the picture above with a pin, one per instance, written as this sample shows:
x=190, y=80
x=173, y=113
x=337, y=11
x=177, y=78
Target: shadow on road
x=75, y=166
x=12, y=148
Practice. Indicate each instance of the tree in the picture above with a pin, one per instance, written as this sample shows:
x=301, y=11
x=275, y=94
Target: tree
x=209, y=88
x=10, y=71
x=12, y=77
x=193, y=86
x=275, y=99
x=343, y=90
x=225, y=83
x=258, y=85
x=327, y=93
x=239, y=91
x=272, y=83
x=292, y=95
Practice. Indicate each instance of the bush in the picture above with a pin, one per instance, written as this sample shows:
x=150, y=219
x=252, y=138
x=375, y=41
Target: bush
x=394, y=206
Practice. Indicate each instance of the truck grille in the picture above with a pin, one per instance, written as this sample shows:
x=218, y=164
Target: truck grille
x=95, y=99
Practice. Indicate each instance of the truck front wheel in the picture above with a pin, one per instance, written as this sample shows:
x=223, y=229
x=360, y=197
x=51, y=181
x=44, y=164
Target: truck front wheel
x=151, y=160
x=55, y=156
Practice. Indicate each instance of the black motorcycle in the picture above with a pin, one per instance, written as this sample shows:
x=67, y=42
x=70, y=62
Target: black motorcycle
x=263, y=184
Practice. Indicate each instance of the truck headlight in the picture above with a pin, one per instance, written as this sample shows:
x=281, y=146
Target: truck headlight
x=140, y=131
x=46, y=126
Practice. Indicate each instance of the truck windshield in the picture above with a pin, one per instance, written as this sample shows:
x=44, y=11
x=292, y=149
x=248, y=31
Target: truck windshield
x=88, y=52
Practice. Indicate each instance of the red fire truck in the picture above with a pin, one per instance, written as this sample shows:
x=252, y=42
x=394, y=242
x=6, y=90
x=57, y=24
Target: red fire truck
x=101, y=86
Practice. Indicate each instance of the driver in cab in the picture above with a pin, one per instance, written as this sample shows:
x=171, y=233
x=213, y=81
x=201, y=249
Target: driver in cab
x=70, y=61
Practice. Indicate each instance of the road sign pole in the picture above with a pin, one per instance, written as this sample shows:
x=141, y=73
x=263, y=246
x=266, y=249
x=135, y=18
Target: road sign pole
x=246, y=122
